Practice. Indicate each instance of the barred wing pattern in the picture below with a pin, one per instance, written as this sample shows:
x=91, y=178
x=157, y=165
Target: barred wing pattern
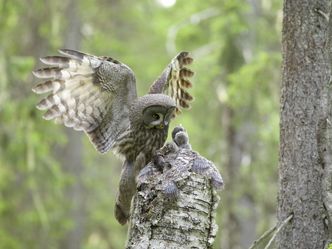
x=88, y=93
x=174, y=81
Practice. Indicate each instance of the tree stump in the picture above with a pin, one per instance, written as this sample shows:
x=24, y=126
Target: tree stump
x=175, y=205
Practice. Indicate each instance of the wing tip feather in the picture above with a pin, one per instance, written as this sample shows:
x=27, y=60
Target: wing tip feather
x=186, y=73
x=72, y=53
x=185, y=58
x=35, y=90
x=35, y=73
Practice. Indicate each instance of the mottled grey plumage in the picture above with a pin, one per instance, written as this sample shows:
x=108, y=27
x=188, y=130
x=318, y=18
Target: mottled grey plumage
x=175, y=160
x=98, y=95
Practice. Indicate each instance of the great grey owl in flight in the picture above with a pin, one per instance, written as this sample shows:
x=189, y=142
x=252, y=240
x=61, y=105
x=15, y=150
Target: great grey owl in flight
x=98, y=95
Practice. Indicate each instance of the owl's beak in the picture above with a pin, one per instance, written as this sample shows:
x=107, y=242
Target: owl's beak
x=168, y=116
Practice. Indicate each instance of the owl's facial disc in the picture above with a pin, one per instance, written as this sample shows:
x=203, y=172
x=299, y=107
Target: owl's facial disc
x=156, y=117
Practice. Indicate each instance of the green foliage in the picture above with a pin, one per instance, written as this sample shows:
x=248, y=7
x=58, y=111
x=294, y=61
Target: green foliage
x=236, y=47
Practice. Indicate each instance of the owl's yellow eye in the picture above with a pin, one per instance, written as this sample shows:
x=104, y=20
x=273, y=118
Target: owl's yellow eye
x=155, y=116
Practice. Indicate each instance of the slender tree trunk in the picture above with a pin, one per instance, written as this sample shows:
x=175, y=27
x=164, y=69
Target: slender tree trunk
x=231, y=235
x=306, y=75
x=72, y=152
x=231, y=60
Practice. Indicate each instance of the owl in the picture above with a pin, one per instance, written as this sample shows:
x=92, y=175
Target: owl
x=97, y=95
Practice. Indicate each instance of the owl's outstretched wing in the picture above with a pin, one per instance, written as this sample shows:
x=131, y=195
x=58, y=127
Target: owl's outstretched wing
x=174, y=81
x=87, y=93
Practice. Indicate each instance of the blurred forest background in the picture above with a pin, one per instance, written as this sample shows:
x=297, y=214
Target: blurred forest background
x=56, y=191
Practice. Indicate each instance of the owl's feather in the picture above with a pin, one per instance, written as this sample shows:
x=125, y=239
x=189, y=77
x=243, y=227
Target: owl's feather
x=174, y=81
x=87, y=93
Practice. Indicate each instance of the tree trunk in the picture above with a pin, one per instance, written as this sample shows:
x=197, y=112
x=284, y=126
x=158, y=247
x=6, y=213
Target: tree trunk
x=72, y=153
x=231, y=236
x=326, y=141
x=306, y=75
x=176, y=203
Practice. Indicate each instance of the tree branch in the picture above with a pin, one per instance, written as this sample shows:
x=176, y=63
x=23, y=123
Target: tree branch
x=266, y=240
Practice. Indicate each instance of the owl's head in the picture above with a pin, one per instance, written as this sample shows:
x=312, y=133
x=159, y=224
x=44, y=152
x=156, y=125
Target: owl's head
x=152, y=111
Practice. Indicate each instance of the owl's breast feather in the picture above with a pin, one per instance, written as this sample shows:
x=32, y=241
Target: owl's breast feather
x=134, y=141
